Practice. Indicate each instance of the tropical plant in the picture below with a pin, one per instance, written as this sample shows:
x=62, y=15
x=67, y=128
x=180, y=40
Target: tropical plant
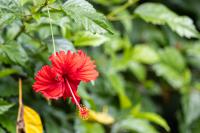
x=147, y=55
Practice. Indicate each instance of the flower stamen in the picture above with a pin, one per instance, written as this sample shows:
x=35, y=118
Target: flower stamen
x=83, y=111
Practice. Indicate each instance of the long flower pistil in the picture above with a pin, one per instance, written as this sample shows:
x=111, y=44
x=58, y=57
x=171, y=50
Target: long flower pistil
x=83, y=111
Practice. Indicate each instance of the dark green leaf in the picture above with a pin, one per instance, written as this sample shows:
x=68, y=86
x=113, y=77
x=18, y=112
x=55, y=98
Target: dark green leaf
x=14, y=52
x=4, y=106
x=8, y=120
x=8, y=87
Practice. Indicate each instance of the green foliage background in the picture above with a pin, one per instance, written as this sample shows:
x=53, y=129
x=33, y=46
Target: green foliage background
x=147, y=53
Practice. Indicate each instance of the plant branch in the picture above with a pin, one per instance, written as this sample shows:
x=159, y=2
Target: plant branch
x=121, y=8
x=27, y=18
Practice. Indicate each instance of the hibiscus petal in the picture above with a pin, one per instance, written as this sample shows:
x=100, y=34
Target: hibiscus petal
x=74, y=66
x=48, y=83
x=87, y=71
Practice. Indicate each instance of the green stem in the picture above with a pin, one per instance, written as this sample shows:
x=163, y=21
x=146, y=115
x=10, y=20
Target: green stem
x=121, y=8
x=54, y=47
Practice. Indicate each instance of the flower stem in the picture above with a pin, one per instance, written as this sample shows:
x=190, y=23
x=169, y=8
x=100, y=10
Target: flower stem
x=54, y=47
x=121, y=8
x=20, y=93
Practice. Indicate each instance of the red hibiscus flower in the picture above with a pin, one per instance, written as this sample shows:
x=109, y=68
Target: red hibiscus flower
x=63, y=77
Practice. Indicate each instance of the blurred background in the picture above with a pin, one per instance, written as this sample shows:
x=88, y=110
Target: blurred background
x=147, y=53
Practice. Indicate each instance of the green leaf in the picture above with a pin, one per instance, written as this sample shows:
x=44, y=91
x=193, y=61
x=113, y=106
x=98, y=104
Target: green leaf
x=120, y=62
x=2, y=131
x=117, y=83
x=152, y=117
x=172, y=68
x=58, y=122
x=145, y=54
x=11, y=6
x=195, y=127
x=160, y=14
x=39, y=2
x=7, y=71
x=132, y=124
x=6, y=19
x=12, y=10
x=173, y=77
x=60, y=44
x=14, y=52
x=173, y=58
x=83, y=13
x=88, y=127
x=8, y=120
x=4, y=106
x=138, y=70
x=89, y=39
x=109, y=2
x=8, y=87
x=193, y=50
x=192, y=107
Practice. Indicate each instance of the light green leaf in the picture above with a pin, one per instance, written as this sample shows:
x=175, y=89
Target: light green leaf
x=61, y=44
x=173, y=58
x=88, y=127
x=153, y=118
x=38, y=2
x=120, y=63
x=7, y=71
x=145, y=54
x=117, y=83
x=192, y=107
x=4, y=106
x=132, y=124
x=160, y=14
x=8, y=120
x=172, y=68
x=11, y=6
x=6, y=19
x=2, y=131
x=84, y=14
x=12, y=10
x=138, y=70
x=193, y=50
x=89, y=39
x=174, y=78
